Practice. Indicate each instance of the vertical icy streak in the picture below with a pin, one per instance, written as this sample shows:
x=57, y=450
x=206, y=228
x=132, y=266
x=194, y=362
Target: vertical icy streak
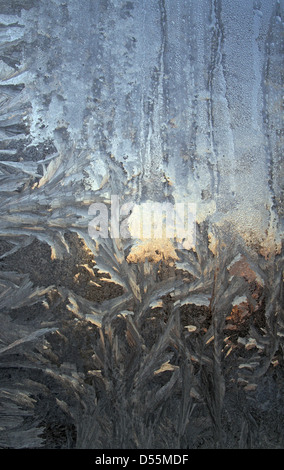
x=152, y=171
x=272, y=85
x=202, y=143
x=222, y=141
x=179, y=124
x=242, y=162
x=256, y=115
x=190, y=164
x=226, y=53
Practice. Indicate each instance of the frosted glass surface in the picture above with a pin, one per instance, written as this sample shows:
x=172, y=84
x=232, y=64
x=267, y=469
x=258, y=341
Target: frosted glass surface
x=129, y=106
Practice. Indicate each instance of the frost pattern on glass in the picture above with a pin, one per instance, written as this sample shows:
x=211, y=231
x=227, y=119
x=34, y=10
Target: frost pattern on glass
x=123, y=343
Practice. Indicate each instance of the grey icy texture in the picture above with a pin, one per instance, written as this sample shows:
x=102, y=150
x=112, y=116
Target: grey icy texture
x=150, y=100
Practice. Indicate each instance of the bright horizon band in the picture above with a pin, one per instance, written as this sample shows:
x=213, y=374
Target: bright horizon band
x=149, y=220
